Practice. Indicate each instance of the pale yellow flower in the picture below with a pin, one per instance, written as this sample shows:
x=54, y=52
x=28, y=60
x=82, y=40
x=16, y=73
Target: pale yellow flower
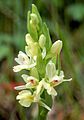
x=56, y=47
x=26, y=98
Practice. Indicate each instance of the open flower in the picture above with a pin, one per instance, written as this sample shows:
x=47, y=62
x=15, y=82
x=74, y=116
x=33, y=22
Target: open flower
x=31, y=82
x=53, y=79
x=25, y=98
x=49, y=88
x=24, y=61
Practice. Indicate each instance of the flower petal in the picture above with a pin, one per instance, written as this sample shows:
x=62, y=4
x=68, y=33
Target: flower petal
x=28, y=78
x=20, y=87
x=52, y=91
x=29, y=39
x=27, y=51
x=56, y=47
x=39, y=88
x=22, y=58
x=50, y=70
x=23, y=94
x=18, y=68
x=25, y=102
x=67, y=79
x=24, y=76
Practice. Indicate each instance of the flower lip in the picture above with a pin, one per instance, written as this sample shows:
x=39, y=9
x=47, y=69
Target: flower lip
x=32, y=81
x=55, y=80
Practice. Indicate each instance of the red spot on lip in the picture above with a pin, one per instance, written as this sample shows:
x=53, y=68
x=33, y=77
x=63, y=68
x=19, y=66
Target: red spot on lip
x=32, y=81
x=55, y=80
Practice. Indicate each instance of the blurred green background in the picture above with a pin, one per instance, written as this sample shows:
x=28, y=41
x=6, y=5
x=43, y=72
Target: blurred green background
x=65, y=19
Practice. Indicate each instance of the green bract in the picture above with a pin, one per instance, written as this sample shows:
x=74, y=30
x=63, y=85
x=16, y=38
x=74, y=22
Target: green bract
x=40, y=59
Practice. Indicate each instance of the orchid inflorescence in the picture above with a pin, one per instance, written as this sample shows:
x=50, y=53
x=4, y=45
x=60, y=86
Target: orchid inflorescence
x=40, y=60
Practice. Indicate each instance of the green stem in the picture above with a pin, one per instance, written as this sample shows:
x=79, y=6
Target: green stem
x=59, y=65
x=42, y=113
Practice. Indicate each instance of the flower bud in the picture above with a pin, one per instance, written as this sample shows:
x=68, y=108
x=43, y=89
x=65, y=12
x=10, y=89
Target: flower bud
x=56, y=47
x=32, y=24
x=34, y=18
x=32, y=50
x=42, y=41
x=29, y=39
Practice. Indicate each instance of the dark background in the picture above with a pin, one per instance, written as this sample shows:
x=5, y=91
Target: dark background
x=65, y=19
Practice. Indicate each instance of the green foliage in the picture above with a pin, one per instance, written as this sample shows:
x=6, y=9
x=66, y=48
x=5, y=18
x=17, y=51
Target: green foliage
x=76, y=11
x=46, y=33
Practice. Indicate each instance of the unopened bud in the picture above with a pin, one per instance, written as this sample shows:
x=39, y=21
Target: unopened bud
x=29, y=39
x=42, y=41
x=34, y=18
x=33, y=50
x=56, y=47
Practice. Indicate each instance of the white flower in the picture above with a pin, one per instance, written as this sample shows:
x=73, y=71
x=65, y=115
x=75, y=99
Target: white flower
x=24, y=61
x=53, y=78
x=45, y=85
x=31, y=82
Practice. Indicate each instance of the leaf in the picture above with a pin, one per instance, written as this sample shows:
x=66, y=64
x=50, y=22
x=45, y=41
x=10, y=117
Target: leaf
x=76, y=11
x=5, y=38
x=58, y=3
x=40, y=64
x=19, y=41
x=4, y=50
x=47, y=35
